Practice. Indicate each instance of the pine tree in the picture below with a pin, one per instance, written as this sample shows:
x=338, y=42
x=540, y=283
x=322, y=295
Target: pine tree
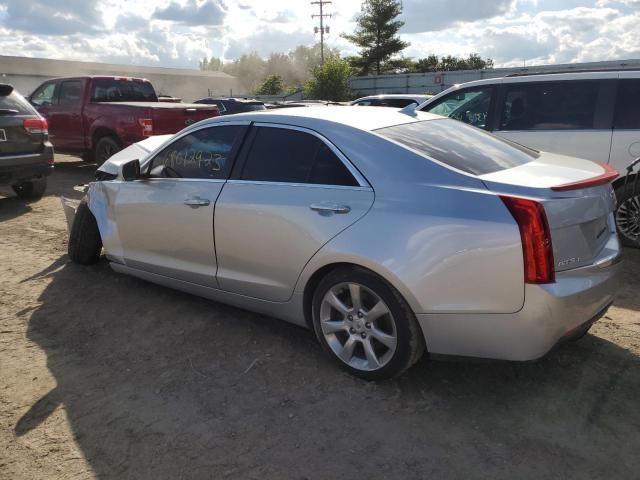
x=377, y=34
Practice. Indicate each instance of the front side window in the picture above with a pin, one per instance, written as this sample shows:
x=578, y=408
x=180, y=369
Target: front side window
x=70, y=92
x=291, y=156
x=469, y=106
x=43, y=96
x=202, y=154
x=627, y=114
x=568, y=105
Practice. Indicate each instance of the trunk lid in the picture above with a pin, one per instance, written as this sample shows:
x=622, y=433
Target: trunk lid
x=578, y=201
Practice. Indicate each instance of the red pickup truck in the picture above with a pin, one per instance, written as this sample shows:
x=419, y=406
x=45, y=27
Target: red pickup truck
x=96, y=116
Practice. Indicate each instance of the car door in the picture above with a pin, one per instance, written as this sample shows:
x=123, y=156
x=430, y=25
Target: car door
x=625, y=145
x=165, y=222
x=569, y=117
x=472, y=105
x=66, y=115
x=291, y=193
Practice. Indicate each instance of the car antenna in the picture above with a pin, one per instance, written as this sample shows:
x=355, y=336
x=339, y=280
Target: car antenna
x=410, y=110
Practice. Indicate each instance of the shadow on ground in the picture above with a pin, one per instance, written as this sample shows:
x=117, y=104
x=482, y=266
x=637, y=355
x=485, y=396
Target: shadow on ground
x=160, y=384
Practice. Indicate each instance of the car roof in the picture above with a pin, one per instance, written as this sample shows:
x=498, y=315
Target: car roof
x=362, y=118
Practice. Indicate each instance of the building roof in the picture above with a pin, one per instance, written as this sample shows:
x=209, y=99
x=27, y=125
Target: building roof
x=11, y=65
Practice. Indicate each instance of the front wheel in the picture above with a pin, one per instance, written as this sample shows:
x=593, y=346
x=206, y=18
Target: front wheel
x=365, y=325
x=85, y=243
x=628, y=215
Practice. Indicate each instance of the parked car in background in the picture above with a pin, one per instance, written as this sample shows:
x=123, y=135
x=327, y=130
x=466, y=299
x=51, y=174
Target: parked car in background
x=97, y=116
x=378, y=230
x=390, y=100
x=592, y=115
x=228, y=106
x=26, y=155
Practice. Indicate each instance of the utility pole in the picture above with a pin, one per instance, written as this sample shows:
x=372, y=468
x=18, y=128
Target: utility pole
x=323, y=29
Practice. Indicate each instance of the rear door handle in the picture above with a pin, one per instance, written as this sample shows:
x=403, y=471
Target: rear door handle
x=196, y=202
x=328, y=208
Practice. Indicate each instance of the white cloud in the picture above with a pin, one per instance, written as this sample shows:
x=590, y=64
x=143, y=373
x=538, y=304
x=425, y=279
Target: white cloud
x=181, y=32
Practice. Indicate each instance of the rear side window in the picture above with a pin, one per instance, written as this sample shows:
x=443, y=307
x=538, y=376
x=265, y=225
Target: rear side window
x=14, y=104
x=291, y=156
x=459, y=146
x=627, y=114
x=202, y=154
x=566, y=105
x=122, y=90
x=70, y=92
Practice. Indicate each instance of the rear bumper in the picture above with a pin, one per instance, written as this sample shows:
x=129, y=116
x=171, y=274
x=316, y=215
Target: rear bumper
x=551, y=313
x=24, y=167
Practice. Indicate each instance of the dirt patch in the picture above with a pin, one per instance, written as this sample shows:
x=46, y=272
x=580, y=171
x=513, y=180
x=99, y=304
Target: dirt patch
x=106, y=376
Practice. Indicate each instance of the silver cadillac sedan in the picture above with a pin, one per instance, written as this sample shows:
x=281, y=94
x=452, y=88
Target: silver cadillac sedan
x=386, y=232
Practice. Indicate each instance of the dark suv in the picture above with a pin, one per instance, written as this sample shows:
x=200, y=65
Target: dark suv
x=227, y=106
x=26, y=155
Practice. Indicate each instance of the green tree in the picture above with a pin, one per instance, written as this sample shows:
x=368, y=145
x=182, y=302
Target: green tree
x=450, y=62
x=330, y=81
x=213, y=63
x=272, y=85
x=377, y=35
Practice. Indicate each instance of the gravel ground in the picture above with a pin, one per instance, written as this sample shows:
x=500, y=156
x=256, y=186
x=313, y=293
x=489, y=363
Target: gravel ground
x=106, y=376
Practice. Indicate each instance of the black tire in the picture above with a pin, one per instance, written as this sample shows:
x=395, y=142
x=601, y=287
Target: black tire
x=410, y=341
x=88, y=156
x=630, y=202
x=31, y=189
x=105, y=148
x=85, y=243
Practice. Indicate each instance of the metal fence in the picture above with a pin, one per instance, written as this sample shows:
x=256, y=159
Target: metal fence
x=435, y=82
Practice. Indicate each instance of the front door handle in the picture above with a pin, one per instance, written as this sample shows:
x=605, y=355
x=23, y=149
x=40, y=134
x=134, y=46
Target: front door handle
x=329, y=208
x=196, y=202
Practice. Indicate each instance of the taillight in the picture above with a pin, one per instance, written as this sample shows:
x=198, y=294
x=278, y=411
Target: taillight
x=537, y=249
x=147, y=126
x=36, y=125
x=50, y=160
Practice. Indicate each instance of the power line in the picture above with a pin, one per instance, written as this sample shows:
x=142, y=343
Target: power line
x=323, y=29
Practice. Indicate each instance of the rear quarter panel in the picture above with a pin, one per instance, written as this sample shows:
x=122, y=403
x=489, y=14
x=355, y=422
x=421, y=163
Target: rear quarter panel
x=440, y=237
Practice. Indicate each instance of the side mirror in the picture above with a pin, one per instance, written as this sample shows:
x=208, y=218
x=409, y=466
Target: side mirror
x=130, y=171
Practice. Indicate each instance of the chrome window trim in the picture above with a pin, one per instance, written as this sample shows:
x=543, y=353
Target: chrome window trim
x=306, y=185
x=362, y=182
x=560, y=130
x=189, y=131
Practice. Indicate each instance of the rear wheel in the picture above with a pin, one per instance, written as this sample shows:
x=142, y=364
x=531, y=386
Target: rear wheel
x=105, y=148
x=628, y=215
x=365, y=325
x=85, y=243
x=31, y=189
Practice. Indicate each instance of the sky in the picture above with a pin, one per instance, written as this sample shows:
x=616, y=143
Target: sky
x=178, y=33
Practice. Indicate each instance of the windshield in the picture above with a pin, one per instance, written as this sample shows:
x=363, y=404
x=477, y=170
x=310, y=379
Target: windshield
x=460, y=146
x=122, y=90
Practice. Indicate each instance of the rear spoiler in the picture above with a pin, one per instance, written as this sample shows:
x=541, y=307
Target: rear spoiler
x=5, y=89
x=608, y=176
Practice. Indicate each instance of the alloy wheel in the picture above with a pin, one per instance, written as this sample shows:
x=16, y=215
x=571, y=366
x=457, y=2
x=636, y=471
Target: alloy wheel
x=358, y=326
x=628, y=218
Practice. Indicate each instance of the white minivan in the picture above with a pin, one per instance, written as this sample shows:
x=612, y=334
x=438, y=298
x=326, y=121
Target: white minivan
x=592, y=115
